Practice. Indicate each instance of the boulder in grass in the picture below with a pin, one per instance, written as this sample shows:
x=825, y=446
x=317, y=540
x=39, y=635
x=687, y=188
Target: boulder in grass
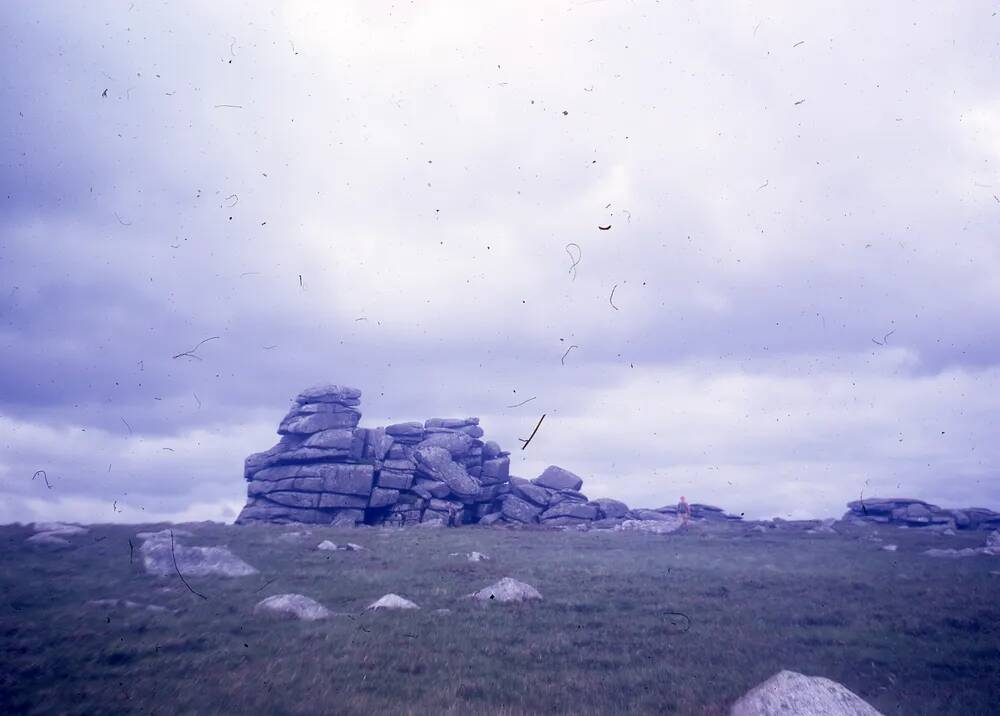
x=507, y=591
x=557, y=478
x=659, y=527
x=159, y=554
x=392, y=601
x=789, y=692
x=327, y=546
x=293, y=605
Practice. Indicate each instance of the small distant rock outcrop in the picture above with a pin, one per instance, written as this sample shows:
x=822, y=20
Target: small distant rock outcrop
x=789, y=692
x=902, y=511
x=991, y=548
x=54, y=534
x=441, y=472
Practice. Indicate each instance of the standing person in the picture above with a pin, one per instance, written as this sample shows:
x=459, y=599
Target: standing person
x=684, y=510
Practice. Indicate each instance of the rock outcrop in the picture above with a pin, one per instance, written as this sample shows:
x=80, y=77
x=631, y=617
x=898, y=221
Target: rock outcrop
x=902, y=511
x=327, y=470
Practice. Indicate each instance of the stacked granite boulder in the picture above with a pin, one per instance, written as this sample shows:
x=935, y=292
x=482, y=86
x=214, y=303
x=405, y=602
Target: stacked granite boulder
x=327, y=470
x=907, y=512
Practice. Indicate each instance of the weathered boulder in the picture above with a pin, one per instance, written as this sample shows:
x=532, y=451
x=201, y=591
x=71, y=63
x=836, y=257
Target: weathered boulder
x=576, y=510
x=382, y=497
x=330, y=394
x=310, y=423
x=293, y=605
x=436, y=463
x=788, y=692
x=506, y=591
x=432, y=488
x=496, y=470
x=659, y=527
x=652, y=515
x=456, y=443
x=491, y=449
x=532, y=493
x=164, y=556
x=451, y=423
x=410, y=432
x=518, y=510
x=346, y=479
x=608, y=508
x=392, y=601
x=557, y=478
x=341, y=439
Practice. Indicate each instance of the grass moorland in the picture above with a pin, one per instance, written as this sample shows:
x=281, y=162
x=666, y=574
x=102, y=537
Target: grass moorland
x=909, y=633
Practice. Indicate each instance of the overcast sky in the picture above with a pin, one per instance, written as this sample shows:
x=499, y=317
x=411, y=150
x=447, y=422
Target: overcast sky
x=804, y=252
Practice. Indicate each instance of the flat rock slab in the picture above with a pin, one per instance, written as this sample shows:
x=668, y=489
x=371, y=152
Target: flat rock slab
x=329, y=394
x=658, y=527
x=506, y=591
x=293, y=605
x=159, y=555
x=392, y=601
x=793, y=694
x=556, y=478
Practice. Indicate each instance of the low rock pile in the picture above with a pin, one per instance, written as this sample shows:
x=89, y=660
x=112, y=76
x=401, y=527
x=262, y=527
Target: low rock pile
x=327, y=470
x=907, y=512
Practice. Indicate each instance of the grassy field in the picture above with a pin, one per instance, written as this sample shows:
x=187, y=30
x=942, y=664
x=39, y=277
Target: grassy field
x=910, y=634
